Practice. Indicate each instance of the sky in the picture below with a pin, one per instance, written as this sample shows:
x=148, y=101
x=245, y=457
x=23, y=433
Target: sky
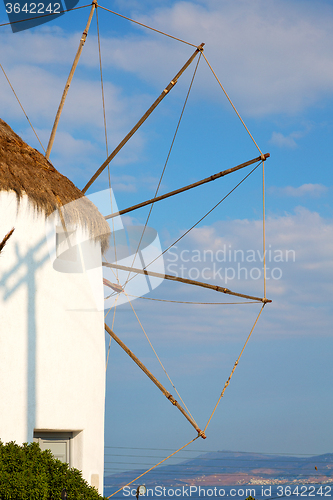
x=274, y=59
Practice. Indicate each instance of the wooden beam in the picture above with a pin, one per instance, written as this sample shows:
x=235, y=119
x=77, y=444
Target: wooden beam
x=69, y=80
x=154, y=379
x=143, y=119
x=190, y=186
x=187, y=281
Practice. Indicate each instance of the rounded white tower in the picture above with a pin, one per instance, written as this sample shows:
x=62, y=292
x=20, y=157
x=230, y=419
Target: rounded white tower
x=52, y=360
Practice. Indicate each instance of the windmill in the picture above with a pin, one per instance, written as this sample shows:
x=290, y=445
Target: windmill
x=69, y=233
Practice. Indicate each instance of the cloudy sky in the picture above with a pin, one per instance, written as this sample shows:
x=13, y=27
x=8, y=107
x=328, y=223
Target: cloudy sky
x=275, y=60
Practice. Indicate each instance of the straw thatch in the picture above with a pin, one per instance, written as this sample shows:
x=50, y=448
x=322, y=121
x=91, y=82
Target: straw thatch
x=26, y=171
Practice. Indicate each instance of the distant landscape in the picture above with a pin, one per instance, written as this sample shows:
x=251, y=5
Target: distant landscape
x=226, y=468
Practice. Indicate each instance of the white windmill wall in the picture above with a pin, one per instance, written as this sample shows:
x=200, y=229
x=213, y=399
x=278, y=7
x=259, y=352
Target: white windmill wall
x=52, y=359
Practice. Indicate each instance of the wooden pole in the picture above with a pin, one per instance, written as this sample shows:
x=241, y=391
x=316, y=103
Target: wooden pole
x=154, y=379
x=190, y=186
x=184, y=280
x=69, y=80
x=143, y=119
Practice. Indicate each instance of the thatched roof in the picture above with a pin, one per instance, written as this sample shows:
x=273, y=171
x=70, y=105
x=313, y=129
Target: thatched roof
x=26, y=171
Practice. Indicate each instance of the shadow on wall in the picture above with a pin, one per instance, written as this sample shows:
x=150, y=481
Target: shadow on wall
x=23, y=274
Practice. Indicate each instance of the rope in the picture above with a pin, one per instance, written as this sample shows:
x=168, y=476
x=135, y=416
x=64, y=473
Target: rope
x=25, y=114
x=45, y=15
x=160, y=362
x=234, y=368
x=166, y=161
x=149, y=27
x=239, y=116
x=197, y=303
x=102, y=86
x=159, y=463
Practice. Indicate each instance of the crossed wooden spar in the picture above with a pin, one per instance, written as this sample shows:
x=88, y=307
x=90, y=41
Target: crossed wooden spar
x=201, y=433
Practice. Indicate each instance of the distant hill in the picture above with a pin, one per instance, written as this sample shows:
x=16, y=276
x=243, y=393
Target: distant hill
x=232, y=468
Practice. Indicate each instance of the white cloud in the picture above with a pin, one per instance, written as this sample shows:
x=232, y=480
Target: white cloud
x=310, y=190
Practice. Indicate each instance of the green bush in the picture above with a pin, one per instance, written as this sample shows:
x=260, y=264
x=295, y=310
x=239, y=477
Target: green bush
x=27, y=473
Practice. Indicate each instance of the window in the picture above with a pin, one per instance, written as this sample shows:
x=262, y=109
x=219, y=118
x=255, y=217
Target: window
x=57, y=442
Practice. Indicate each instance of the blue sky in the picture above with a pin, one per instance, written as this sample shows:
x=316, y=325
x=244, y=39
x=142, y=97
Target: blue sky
x=275, y=60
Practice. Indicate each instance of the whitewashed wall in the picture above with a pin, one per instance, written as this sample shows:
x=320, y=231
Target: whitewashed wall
x=52, y=359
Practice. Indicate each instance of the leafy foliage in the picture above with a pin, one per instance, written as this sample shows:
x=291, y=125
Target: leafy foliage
x=28, y=473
